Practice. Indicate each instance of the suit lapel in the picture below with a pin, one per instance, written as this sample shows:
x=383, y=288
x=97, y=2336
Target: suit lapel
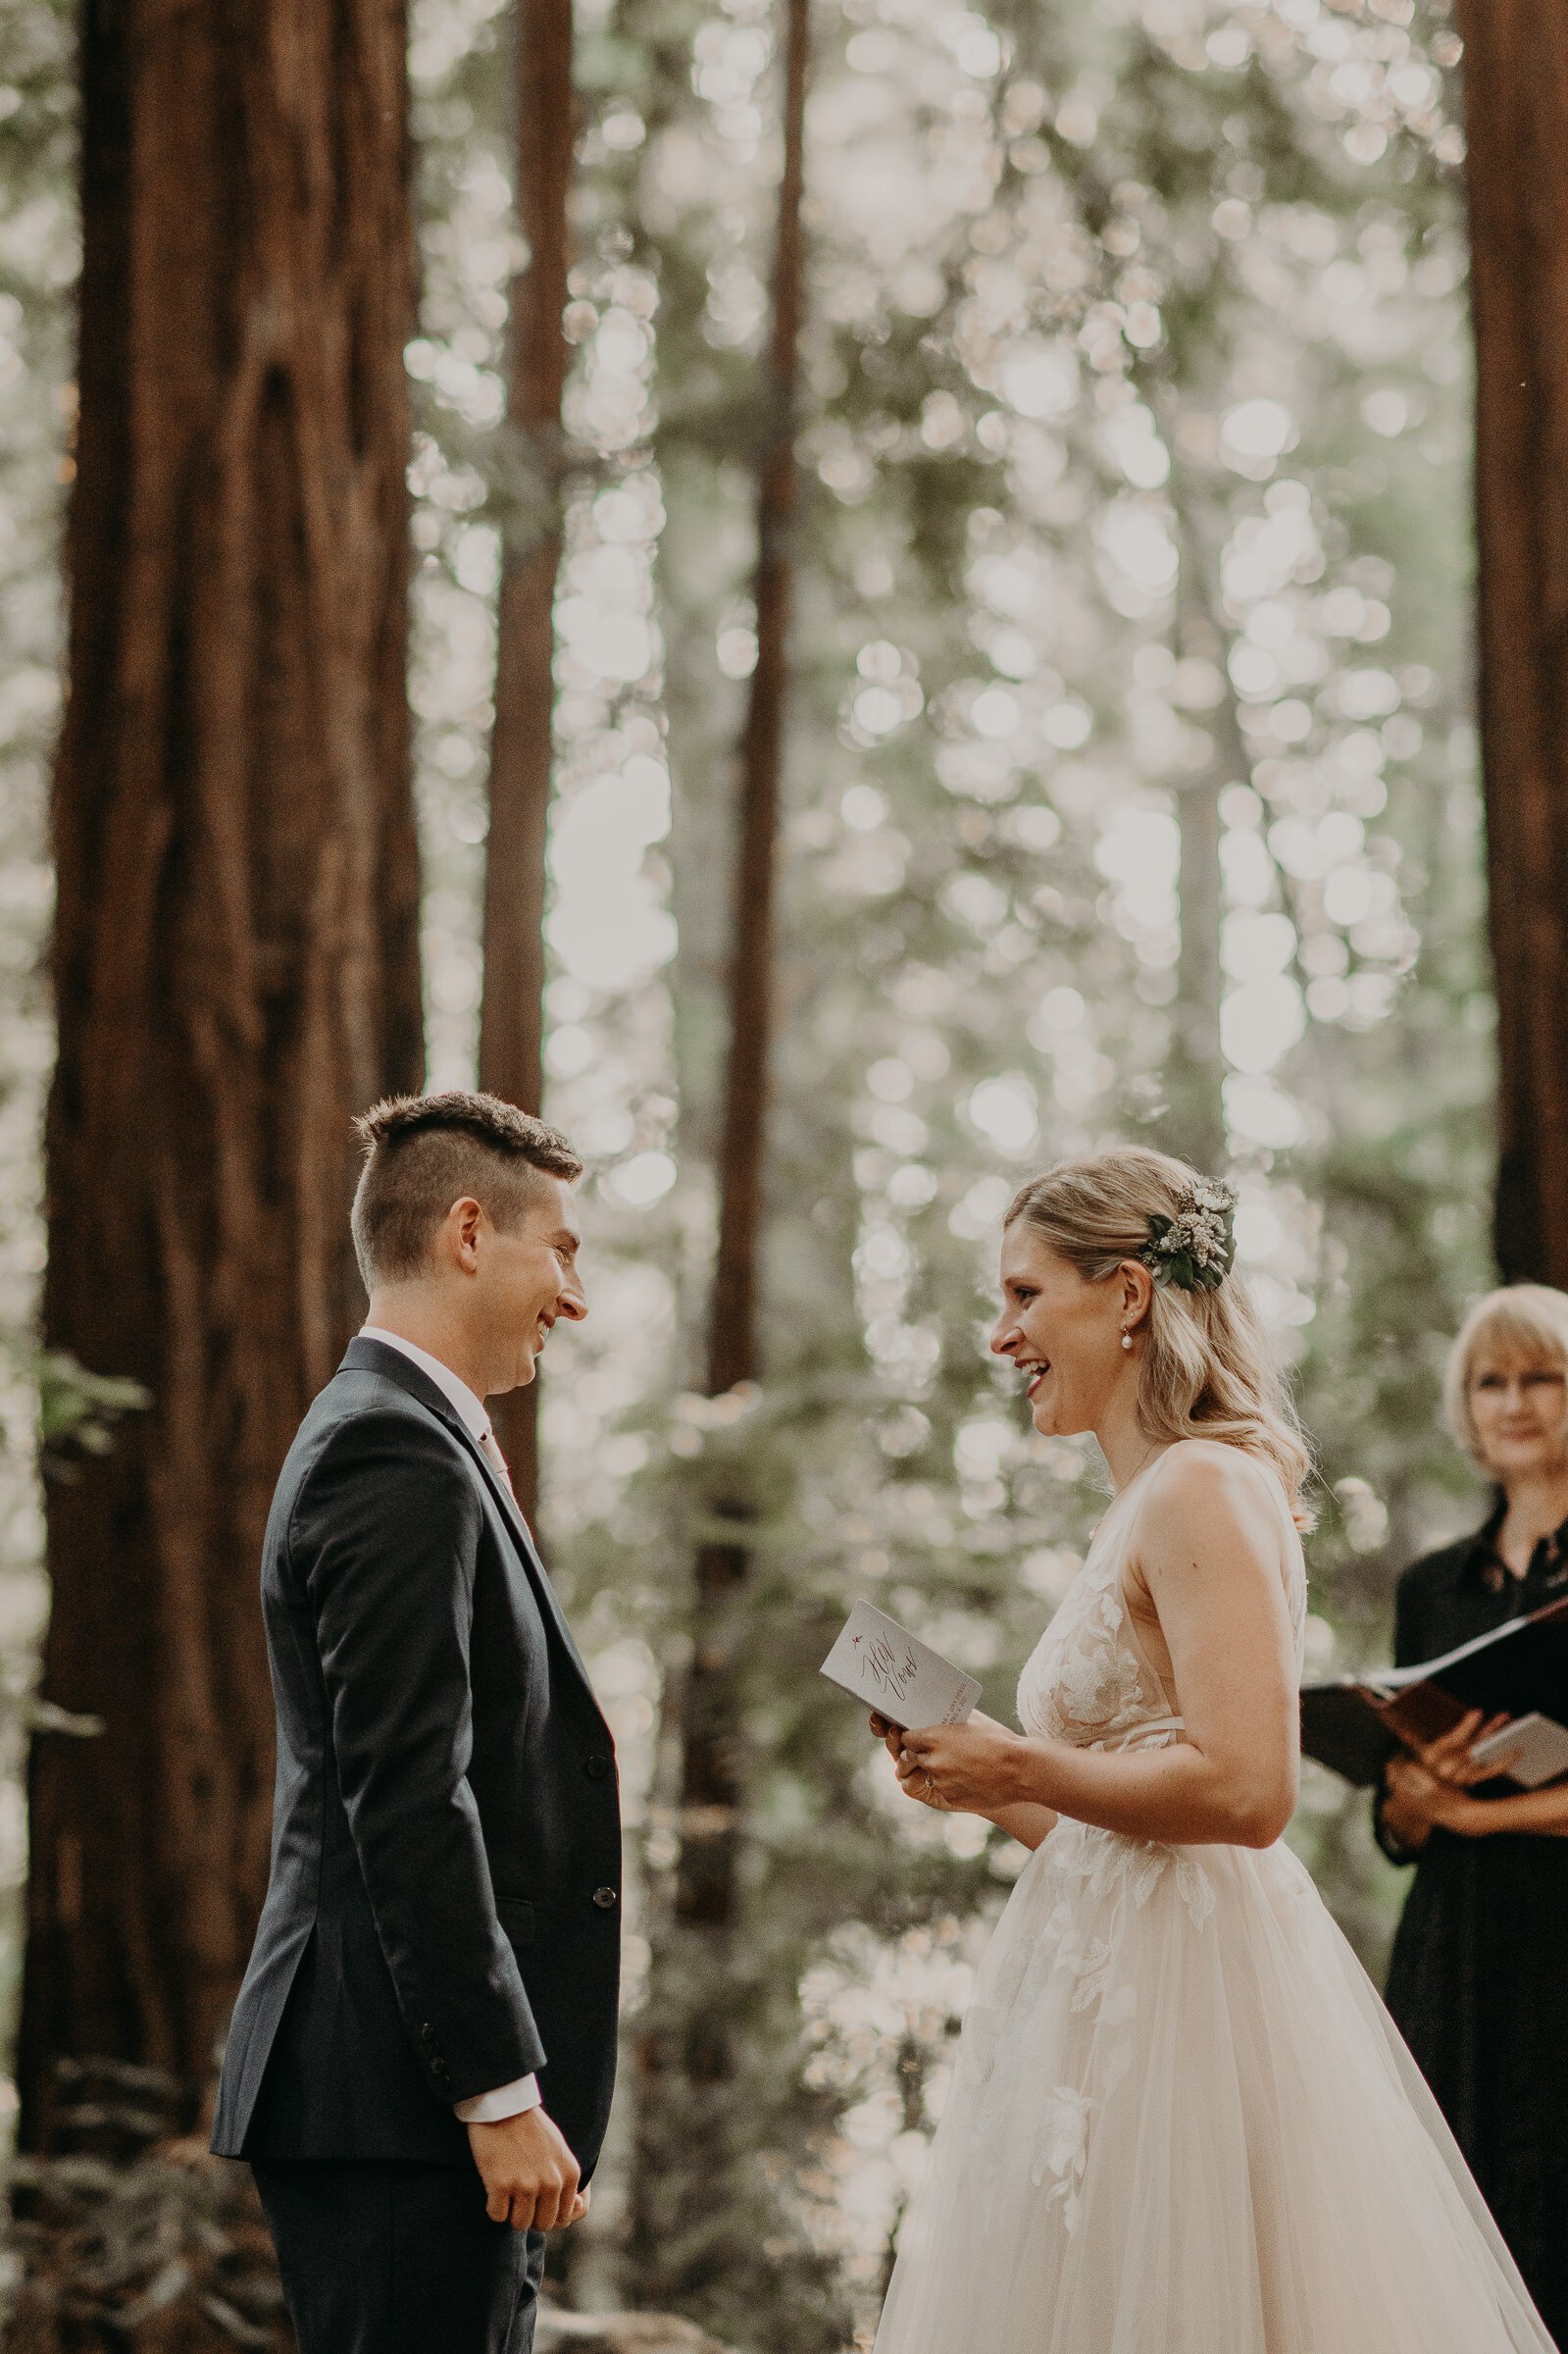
x=374, y=1356
x=512, y=1513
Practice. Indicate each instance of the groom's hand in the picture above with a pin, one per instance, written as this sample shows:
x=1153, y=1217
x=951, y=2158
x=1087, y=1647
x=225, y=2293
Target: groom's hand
x=530, y=2175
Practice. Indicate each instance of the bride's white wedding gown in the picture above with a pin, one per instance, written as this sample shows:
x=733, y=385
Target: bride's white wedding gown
x=1180, y=2121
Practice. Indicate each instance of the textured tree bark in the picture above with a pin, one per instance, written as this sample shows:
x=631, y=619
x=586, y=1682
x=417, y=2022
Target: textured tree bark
x=521, y=746
x=1516, y=81
x=708, y=1885
x=236, y=954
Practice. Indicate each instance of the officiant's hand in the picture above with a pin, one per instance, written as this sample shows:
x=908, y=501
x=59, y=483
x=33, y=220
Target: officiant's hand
x=1430, y=1791
x=1449, y=1759
x=530, y=2177
x=1410, y=1802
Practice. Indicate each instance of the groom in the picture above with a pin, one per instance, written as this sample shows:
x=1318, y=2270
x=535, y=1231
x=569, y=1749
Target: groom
x=421, y=2054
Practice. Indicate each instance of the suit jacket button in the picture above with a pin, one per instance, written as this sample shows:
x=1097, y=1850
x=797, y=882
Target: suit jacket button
x=427, y=2033
x=606, y=1899
x=596, y=1767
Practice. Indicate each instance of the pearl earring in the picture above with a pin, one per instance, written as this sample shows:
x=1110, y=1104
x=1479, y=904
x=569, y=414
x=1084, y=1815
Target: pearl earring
x=1127, y=1339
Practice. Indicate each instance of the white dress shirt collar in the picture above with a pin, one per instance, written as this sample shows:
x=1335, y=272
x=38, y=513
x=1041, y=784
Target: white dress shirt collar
x=473, y=1413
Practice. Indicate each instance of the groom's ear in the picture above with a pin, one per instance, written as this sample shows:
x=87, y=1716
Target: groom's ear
x=457, y=1239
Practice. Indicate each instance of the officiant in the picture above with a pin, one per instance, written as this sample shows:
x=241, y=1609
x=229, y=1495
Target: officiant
x=1479, y=1980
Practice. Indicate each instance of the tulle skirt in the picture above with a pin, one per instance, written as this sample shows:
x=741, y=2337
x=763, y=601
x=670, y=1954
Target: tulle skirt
x=1181, y=2122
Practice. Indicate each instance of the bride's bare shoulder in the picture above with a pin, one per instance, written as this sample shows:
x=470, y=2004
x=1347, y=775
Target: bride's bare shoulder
x=1202, y=1477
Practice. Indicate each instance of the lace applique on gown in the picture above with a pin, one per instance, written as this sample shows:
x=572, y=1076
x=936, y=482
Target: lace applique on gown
x=1180, y=2121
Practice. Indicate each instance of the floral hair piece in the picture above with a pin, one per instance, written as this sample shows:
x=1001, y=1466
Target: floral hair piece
x=1195, y=1250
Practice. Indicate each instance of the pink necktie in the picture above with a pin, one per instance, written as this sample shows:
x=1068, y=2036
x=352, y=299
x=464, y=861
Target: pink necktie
x=491, y=1450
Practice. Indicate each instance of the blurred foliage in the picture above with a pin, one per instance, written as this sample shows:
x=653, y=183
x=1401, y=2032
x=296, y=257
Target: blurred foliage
x=1134, y=468
x=77, y=1411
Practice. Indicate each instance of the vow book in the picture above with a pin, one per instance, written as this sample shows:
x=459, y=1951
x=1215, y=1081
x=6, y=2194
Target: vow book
x=880, y=1662
x=1355, y=1722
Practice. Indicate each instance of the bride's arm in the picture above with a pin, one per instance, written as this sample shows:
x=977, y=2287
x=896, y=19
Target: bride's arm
x=1030, y=1824
x=1209, y=1546
x=1024, y=1820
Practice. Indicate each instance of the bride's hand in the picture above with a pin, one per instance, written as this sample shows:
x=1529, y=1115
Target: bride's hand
x=959, y=1769
x=890, y=1735
x=893, y=1738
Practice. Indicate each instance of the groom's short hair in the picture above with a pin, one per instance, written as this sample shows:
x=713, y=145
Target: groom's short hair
x=424, y=1152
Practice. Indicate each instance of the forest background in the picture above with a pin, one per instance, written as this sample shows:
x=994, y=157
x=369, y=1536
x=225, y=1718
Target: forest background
x=1042, y=451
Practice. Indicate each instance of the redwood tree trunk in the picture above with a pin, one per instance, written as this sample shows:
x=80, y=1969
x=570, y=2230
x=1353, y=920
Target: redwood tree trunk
x=522, y=744
x=236, y=954
x=708, y=1886
x=1516, y=76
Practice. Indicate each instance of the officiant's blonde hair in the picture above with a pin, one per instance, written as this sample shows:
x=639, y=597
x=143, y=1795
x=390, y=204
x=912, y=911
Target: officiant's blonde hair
x=1207, y=1370
x=1521, y=1321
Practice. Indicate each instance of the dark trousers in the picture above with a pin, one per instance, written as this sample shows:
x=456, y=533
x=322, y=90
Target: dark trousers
x=386, y=2257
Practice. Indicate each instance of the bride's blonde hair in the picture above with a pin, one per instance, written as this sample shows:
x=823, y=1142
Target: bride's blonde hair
x=1207, y=1370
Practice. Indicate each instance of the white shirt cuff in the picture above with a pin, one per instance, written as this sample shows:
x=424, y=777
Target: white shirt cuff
x=507, y=2100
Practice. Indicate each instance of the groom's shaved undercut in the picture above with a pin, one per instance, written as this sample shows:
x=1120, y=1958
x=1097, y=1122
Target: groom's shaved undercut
x=424, y=1152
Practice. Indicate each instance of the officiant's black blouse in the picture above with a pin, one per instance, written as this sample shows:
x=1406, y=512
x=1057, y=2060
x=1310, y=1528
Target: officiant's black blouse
x=1479, y=1978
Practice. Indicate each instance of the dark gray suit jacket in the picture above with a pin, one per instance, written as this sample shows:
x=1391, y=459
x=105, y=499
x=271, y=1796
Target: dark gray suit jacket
x=443, y=1911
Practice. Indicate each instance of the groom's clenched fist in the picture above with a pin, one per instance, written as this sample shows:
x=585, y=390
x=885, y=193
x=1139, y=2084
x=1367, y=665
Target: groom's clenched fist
x=530, y=2175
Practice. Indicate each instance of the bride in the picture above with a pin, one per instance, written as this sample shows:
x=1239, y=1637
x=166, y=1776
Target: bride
x=1180, y=2120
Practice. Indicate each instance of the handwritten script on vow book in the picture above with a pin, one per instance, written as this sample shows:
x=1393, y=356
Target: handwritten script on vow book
x=880, y=1662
